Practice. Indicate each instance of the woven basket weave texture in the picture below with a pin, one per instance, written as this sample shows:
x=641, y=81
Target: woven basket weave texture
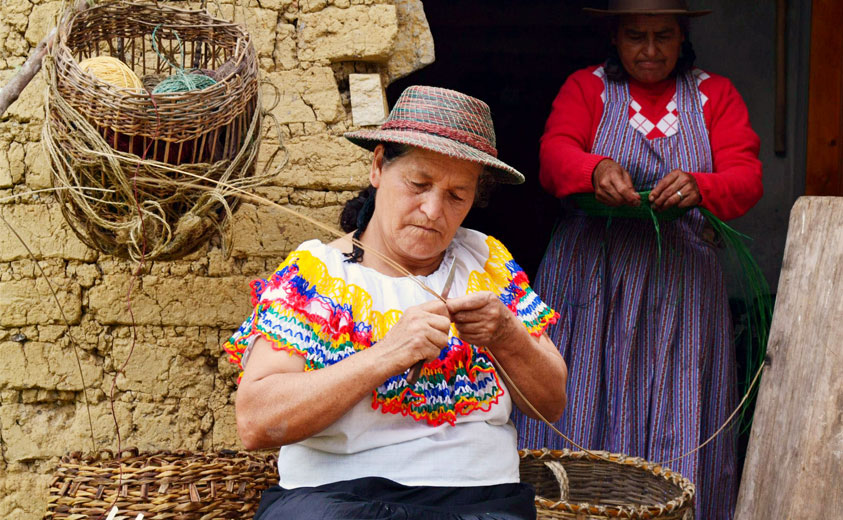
x=189, y=485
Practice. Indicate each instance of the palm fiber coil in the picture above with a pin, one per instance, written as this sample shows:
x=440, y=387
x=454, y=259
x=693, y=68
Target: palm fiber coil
x=181, y=485
x=162, y=155
x=188, y=485
x=602, y=485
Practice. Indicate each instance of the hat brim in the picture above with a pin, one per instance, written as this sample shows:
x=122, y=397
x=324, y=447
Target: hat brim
x=679, y=12
x=502, y=172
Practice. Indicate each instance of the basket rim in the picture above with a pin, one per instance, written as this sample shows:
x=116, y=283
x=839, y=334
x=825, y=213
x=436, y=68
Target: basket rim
x=632, y=511
x=62, y=51
x=133, y=453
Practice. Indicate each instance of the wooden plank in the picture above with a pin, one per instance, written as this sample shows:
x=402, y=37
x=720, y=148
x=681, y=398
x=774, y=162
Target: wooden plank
x=794, y=464
x=824, y=169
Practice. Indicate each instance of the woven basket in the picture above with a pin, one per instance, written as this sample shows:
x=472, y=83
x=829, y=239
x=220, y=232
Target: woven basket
x=179, y=485
x=189, y=485
x=597, y=488
x=145, y=148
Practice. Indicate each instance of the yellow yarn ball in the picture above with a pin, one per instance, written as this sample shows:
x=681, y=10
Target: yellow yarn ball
x=112, y=71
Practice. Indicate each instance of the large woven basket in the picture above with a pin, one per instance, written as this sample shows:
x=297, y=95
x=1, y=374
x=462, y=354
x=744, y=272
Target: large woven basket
x=602, y=485
x=181, y=485
x=188, y=485
x=149, y=149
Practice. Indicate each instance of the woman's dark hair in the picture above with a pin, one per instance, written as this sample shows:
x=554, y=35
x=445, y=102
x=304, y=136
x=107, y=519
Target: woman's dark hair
x=614, y=68
x=358, y=211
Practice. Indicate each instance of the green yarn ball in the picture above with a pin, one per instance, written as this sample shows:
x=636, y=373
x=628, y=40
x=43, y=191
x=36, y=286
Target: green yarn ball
x=183, y=83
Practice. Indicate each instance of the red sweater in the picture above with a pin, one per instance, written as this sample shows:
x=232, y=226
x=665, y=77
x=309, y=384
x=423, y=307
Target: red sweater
x=567, y=164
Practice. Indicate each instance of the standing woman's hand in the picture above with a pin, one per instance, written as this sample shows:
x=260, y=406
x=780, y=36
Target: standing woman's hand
x=613, y=185
x=676, y=189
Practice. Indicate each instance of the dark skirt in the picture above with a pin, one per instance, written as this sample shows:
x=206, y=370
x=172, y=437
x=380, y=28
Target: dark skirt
x=382, y=499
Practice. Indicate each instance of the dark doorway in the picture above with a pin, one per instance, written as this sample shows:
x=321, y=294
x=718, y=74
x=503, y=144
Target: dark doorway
x=514, y=56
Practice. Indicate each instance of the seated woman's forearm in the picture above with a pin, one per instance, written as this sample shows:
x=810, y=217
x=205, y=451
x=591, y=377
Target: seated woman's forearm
x=537, y=369
x=281, y=408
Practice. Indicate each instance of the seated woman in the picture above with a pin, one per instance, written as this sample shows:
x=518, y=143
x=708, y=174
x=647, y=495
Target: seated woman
x=337, y=330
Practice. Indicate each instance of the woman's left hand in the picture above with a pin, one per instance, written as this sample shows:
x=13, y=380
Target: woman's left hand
x=676, y=189
x=482, y=319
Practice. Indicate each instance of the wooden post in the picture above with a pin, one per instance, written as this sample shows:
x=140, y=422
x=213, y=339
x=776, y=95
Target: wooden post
x=794, y=464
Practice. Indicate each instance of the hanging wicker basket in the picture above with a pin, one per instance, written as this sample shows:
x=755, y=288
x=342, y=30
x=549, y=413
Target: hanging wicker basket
x=602, y=485
x=163, y=155
x=181, y=485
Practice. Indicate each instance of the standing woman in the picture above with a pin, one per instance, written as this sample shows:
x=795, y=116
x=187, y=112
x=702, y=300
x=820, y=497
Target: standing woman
x=645, y=326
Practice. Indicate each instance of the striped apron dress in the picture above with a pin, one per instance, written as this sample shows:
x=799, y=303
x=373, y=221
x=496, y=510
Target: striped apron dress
x=645, y=327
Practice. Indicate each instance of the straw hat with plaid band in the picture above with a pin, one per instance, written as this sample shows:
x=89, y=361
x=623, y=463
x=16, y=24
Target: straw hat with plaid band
x=443, y=121
x=618, y=7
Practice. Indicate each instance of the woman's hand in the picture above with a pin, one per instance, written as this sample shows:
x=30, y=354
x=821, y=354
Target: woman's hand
x=482, y=319
x=533, y=364
x=419, y=335
x=613, y=185
x=676, y=189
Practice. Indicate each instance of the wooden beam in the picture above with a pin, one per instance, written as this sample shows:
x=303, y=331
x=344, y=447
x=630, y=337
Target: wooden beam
x=794, y=464
x=824, y=167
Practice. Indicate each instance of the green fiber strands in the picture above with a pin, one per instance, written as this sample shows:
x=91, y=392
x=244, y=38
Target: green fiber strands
x=754, y=288
x=181, y=82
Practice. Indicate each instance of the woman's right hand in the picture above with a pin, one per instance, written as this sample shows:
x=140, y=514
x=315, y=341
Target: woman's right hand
x=613, y=185
x=420, y=334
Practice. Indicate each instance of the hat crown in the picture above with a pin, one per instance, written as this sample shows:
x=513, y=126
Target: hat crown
x=648, y=5
x=444, y=113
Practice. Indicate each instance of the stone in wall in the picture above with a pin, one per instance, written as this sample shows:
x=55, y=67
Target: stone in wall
x=12, y=166
x=414, y=46
x=33, y=364
x=44, y=231
x=13, y=25
x=261, y=24
x=308, y=95
x=29, y=430
x=23, y=491
x=25, y=302
x=325, y=161
x=37, y=162
x=355, y=33
x=42, y=18
x=30, y=105
x=161, y=426
x=285, y=55
x=271, y=232
x=160, y=371
x=368, y=99
x=200, y=301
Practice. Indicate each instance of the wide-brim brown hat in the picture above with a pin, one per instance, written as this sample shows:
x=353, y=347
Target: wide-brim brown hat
x=622, y=7
x=443, y=121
